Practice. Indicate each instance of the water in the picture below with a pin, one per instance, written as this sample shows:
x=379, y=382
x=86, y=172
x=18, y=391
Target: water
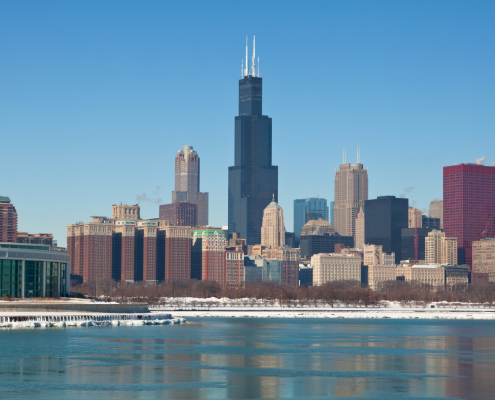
x=225, y=358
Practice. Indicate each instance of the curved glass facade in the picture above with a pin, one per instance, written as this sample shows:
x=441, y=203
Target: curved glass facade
x=10, y=278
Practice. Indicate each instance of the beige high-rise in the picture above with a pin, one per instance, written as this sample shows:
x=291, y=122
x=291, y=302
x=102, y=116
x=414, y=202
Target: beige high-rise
x=374, y=255
x=440, y=249
x=273, y=229
x=436, y=211
x=351, y=191
x=484, y=257
x=415, y=218
x=359, y=238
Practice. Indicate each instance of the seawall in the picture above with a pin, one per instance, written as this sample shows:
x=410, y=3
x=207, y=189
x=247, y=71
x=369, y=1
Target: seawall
x=47, y=306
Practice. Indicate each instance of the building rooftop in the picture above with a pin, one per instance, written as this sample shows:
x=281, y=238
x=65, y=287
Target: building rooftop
x=4, y=199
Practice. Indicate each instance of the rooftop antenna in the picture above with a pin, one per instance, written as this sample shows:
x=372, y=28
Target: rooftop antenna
x=242, y=68
x=246, y=70
x=253, y=67
x=259, y=75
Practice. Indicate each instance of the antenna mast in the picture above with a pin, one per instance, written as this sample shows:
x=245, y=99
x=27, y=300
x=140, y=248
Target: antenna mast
x=253, y=67
x=246, y=70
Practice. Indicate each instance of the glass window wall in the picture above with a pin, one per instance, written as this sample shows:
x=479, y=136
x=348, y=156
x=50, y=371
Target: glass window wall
x=10, y=278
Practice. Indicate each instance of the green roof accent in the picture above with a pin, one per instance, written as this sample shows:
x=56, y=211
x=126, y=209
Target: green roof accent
x=209, y=231
x=4, y=199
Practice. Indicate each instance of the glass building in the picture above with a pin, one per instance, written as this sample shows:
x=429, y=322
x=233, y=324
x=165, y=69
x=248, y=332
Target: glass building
x=306, y=210
x=253, y=180
x=272, y=271
x=332, y=204
x=33, y=271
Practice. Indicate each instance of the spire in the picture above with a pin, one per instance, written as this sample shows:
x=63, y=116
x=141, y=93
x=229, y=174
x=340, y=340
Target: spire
x=246, y=70
x=253, y=68
x=273, y=197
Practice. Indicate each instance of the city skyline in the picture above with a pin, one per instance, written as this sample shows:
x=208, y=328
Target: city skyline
x=76, y=108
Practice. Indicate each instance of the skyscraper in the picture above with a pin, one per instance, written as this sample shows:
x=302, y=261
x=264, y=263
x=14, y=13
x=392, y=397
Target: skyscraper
x=253, y=180
x=306, y=210
x=440, y=249
x=436, y=211
x=384, y=219
x=331, y=214
x=468, y=206
x=8, y=221
x=273, y=229
x=351, y=191
x=187, y=179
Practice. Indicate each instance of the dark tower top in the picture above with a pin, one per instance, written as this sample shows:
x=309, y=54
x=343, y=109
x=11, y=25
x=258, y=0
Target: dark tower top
x=250, y=95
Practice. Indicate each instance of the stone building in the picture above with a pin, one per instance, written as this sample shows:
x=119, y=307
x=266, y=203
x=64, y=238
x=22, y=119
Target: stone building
x=484, y=258
x=378, y=274
x=317, y=227
x=335, y=267
x=440, y=249
x=273, y=229
x=374, y=255
x=359, y=236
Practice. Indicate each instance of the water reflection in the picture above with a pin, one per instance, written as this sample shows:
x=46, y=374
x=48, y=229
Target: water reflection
x=253, y=359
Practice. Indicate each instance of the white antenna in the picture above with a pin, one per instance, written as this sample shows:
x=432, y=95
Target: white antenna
x=258, y=66
x=242, y=68
x=253, y=68
x=246, y=70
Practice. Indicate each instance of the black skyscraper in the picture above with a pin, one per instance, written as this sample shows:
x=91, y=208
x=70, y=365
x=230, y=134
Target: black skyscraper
x=384, y=219
x=253, y=180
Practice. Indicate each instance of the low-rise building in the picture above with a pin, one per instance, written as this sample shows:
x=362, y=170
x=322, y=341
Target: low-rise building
x=374, y=255
x=378, y=274
x=455, y=275
x=431, y=274
x=335, y=267
x=305, y=275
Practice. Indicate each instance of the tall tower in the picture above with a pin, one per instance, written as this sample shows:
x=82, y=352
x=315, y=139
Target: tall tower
x=8, y=221
x=253, y=180
x=351, y=191
x=273, y=229
x=187, y=174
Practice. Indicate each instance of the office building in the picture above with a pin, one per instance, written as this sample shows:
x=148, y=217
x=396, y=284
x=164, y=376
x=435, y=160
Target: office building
x=305, y=210
x=431, y=274
x=455, y=275
x=415, y=218
x=8, y=221
x=351, y=191
x=273, y=229
x=187, y=180
x=440, y=249
x=359, y=237
x=374, y=255
x=289, y=259
x=436, y=211
x=208, y=255
x=484, y=257
x=253, y=180
x=315, y=244
x=331, y=213
x=305, y=275
x=379, y=274
x=407, y=249
x=179, y=214
x=335, y=267
x=385, y=217
x=272, y=271
x=431, y=223
x=469, y=206
x=234, y=268
x=35, y=238
x=34, y=271
x=317, y=227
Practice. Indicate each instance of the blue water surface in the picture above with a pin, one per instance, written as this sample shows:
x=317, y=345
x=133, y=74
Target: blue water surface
x=253, y=358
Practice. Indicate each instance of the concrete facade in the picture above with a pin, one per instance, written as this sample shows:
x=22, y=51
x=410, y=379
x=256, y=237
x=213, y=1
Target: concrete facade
x=378, y=274
x=484, y=258
x=335, y=267
x=436, y=211
x=374, y=255
x=273, y=228
x=440, y=249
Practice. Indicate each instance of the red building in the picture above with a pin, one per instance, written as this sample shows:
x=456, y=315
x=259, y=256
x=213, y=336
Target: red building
x=234, y=268
x=468, y=206
x=208, y=255
x=8, y=221
x=179, y=214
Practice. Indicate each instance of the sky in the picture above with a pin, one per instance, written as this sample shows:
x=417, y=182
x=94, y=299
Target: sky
x=96, y=98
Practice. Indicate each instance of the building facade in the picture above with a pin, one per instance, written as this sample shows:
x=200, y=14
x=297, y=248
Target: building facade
x=379, y=274
x=385, y=217
x=351, y=191
x=289, y=259
x=273, y=228
x=253, y=180
x=408, y=235
x=305, y=210
x=335, y=267
x=374, y=255
x=180, y=214
x=187, y=180
x=8, y=221
x=315, y=244
x=34, y=271
x=469, y=205
x=484, y=257
x=440, y=249
x=35, y=238
x=209, y=255
x=359, y=236
x=234, y=267
x=272, y=271
x=436, y=211
x=317, y=227
x=431, y=223
x=415, y=218
x=331, y=213
x=431, y=274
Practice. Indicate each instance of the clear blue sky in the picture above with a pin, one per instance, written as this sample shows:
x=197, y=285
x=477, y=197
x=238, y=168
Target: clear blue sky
x=97, y=97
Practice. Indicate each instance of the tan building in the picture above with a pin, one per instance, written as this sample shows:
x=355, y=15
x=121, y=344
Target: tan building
x=378, y=274
x=335, y=267
x=440, y=249
x=436, y=211
x=359, y=237
x=415, y=218
x=484, y=258
x=273, y=229
x=289, y=259
x=351, y=191
x=123, y=212
x=374, y=255
x=317, y=227
x=431, y=274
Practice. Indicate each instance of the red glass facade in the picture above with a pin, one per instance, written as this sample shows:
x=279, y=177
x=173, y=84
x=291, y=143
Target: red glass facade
x=468, y=206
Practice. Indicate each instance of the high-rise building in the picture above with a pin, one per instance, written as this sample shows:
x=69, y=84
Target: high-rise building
x=35, y=238
x=179, y=214
x=315, y=244
x=351, y=191
x=273, y=229
x=431, y=222
x=469, y=205
x=187, y=179
x=208, y=254
x=436, y=211
x=317, y=227
x=359, y=237
x=440, y=249
x=331, y=213
x=234, y=267
x=484, y=258
x=8, y=221
x=385, y=217
x=306, y=210
x=289, y=259
x=253, y=180
x=415, y=218
x=408, y=237
x=374, y=255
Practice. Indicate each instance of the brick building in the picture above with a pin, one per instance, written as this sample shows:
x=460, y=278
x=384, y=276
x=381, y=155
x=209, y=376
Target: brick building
x=234, y=267
x=179, y=214
x=209, y=254
x=35, y=238
x=8, y=221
